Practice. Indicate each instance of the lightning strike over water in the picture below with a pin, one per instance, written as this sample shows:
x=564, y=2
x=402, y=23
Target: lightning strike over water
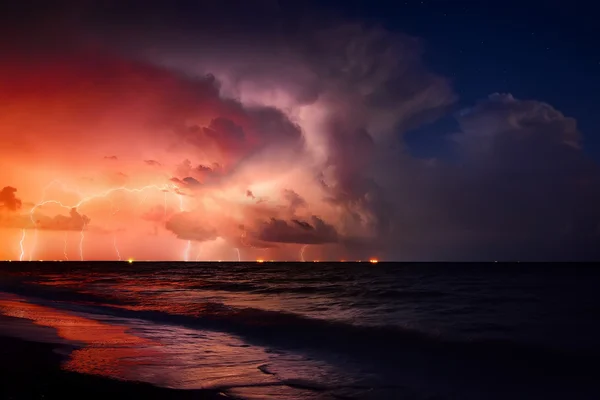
x=116, y=247
x=84, y=200
x=21, y=246
x=65, y=248
x=81, y=242
x=35, y=236
x=302, y=253
x=186, y=254
x=239, y=256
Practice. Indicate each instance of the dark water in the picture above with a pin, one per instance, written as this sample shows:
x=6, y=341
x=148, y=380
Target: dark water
x=300, y=331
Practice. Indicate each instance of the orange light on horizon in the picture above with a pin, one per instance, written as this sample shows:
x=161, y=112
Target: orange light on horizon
x=260, y=261
x=130, y=261
x=373, y=261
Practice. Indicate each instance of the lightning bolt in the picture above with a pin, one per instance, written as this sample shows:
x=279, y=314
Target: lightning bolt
x=21, y=246
x=35, y=236
x=186, y=253
x=22, y=241
x=81, y=242
x=302, y=253
x=238, y=254
x=84, y=200
x=116, y=247
x=65, y=248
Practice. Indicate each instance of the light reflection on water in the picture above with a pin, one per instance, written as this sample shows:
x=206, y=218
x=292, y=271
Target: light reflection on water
x=189, y=294
x=177, y=357
x=382, y=332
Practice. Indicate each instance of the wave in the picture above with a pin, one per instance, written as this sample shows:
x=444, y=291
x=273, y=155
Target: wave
x=228, y=286
x=56, y=293
x=385, y=345
x=329, y=289
x=382, y=345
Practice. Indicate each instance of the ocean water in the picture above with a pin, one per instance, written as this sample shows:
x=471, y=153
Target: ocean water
x=319, y=330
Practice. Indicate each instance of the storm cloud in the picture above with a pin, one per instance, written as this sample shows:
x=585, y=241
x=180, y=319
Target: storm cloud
x=73, y=222
x=9, y=200
x=186, y=227
x=295, y=231
x=519, y=188
x=269, y=121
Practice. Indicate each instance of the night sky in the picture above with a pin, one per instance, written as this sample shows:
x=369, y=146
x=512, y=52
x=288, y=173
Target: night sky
x=531, y=49
x=329, y=130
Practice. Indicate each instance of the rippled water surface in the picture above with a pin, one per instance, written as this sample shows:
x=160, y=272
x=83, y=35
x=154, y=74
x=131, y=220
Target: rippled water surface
x=298, y=331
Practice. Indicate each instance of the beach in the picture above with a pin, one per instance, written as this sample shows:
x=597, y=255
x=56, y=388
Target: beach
x=32, y=370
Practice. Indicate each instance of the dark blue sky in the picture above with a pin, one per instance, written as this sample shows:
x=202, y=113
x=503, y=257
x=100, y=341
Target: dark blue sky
x=546, y=51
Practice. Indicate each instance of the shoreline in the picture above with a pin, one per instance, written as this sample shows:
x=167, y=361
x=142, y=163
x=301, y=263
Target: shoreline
x=31, y=369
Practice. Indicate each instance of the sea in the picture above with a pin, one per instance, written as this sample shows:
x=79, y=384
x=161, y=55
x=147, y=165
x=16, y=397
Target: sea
x=319, y=330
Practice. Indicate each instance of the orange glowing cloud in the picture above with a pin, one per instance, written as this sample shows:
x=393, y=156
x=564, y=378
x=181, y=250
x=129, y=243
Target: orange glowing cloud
x=115, y=139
